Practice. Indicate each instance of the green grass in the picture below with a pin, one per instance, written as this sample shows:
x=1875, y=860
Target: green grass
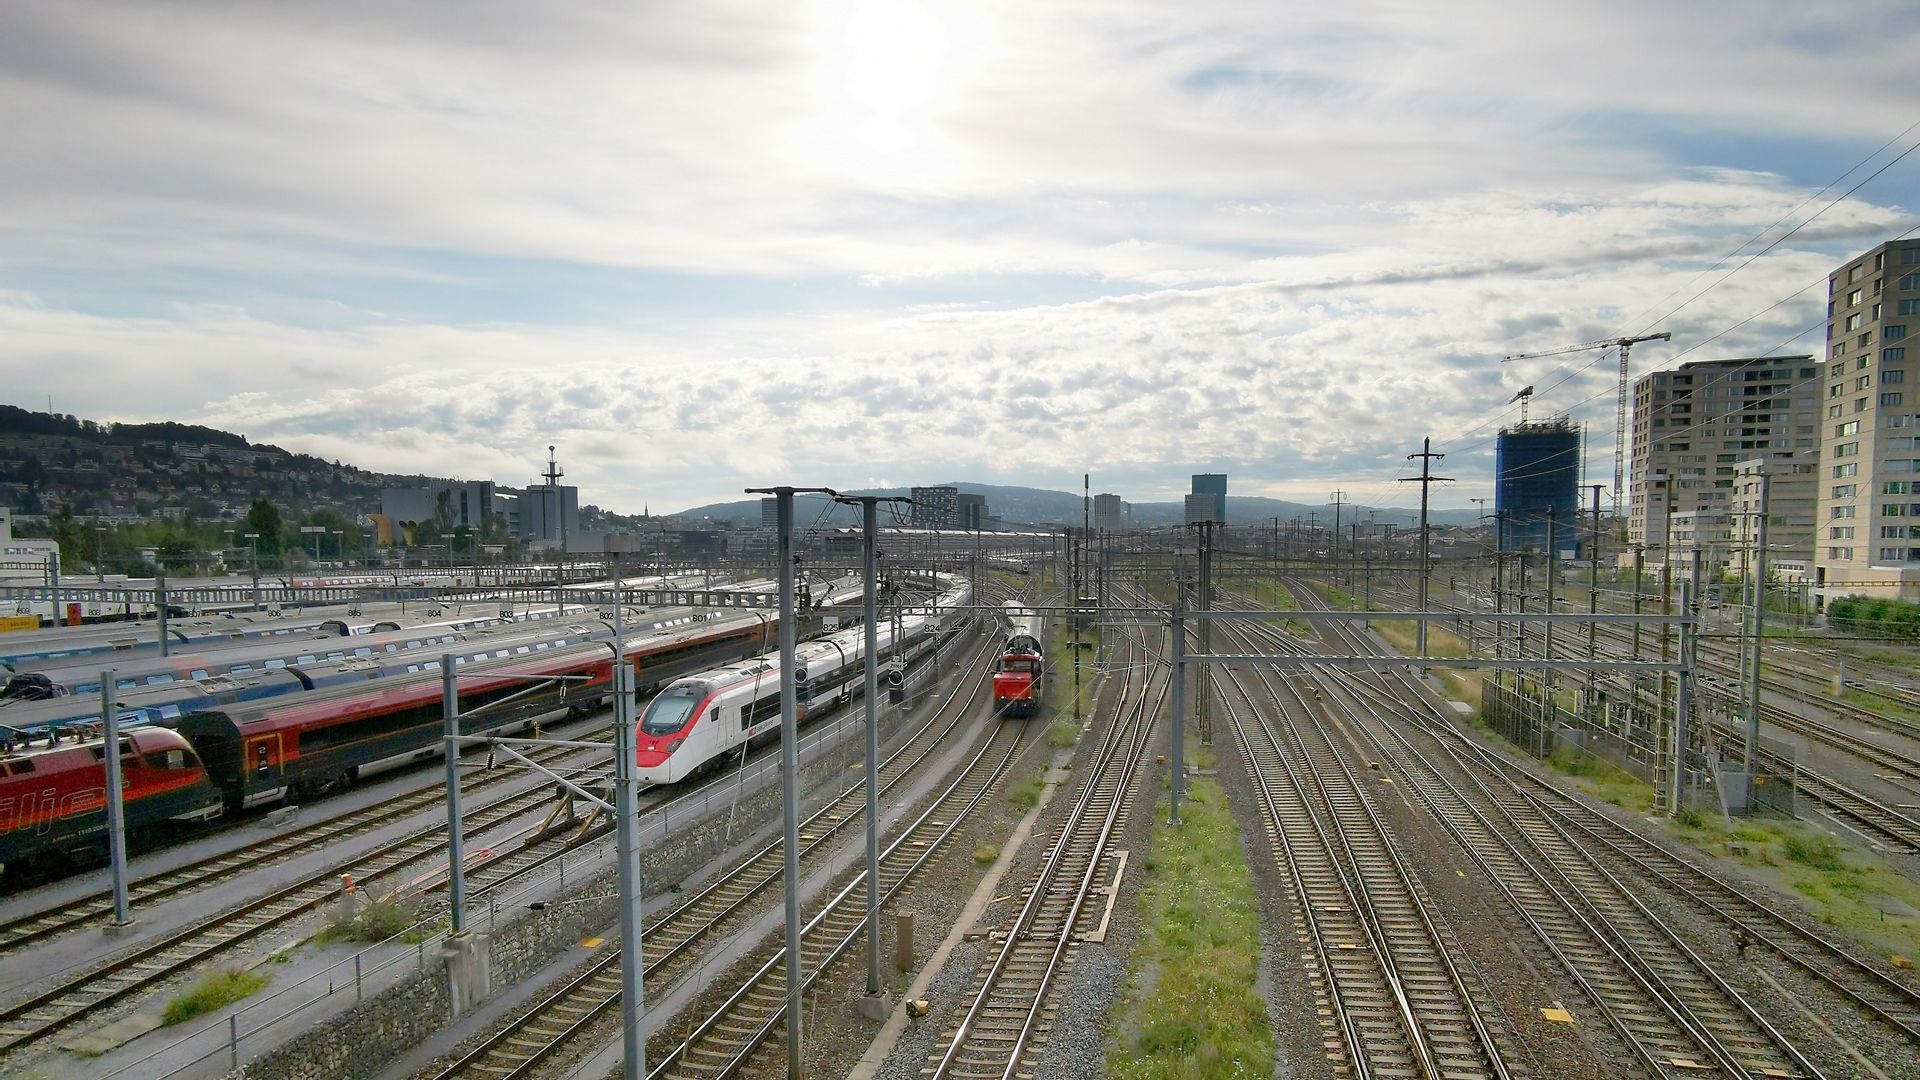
x=1840, y=883
x=985, y=854
x=1062, y=733
x=210, y=992
x=1027, y=792
x=1192, y=1009
x=1602, y=779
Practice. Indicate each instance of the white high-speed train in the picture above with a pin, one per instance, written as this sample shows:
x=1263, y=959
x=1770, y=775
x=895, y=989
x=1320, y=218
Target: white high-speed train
x=699, y=719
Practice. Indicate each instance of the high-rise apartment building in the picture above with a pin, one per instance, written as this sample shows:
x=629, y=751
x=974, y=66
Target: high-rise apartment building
x=1792, y=491
x=1537, y=485
x=935, y=507
x=1108, y=517
x=1693, y=425
x=1209, y=498
x=1867, y=536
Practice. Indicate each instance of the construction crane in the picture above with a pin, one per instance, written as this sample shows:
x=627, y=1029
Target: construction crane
x=1625, y=345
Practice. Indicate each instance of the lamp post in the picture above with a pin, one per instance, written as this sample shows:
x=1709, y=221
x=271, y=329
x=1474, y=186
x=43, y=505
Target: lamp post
x=339, y=546
x=253, y=546
x=316, y=531
x=99, y=566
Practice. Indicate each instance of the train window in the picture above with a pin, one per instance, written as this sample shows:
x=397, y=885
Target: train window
x=238, y=668
x=156, y=680
x=363, y=650
x=24, y=765
x=275, y=664
x=167, y=759
x=125, y=684
x=198, y=673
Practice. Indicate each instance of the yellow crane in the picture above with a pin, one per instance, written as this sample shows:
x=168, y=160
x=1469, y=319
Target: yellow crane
x=1625, y=345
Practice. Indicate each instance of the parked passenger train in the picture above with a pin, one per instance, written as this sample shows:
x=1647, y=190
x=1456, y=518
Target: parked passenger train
x=253, y=753
x=699, y=720
x=1019, y=676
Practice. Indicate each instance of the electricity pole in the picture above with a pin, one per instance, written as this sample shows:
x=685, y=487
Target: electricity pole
x=1338, y=498
x=790, y=765
x=1425, y=480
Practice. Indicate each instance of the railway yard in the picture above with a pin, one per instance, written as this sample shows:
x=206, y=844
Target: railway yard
x=1377, y=870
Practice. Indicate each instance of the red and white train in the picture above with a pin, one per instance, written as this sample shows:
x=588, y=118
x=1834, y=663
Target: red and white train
x=1019, y=676
x=697, y=721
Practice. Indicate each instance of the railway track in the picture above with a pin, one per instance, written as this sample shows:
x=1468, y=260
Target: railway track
x=1869, y=986
x=723, y=1043
x=1875, y=990
x=1666, y=1001
x=281, y=847
x=1009, y=1011
x=561, y=1020
x=75, y=995
x=1872, y=819
x=72, y=996
x=1397, y=999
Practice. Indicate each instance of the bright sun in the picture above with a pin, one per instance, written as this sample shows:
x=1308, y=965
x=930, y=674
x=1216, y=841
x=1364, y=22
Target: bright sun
x=886, y=75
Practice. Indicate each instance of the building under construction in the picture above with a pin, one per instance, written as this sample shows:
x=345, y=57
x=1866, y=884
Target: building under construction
x=1537, y=482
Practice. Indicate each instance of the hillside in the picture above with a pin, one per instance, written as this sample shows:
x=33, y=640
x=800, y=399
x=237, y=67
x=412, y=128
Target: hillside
x=137, y=471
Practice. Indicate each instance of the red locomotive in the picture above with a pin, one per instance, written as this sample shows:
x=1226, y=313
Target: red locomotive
x=1019, y=676
x=53, y=795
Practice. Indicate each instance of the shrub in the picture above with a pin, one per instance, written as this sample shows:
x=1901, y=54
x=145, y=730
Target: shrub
x=985, y=854
x=210, y=992
x=1818, y=851
x=1062, y=733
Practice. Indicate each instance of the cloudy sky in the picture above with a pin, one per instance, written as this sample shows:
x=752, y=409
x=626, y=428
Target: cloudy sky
x=706, y=245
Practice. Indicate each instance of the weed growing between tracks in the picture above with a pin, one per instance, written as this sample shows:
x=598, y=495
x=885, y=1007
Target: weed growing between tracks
x=1191, y=1008
x=214, y=990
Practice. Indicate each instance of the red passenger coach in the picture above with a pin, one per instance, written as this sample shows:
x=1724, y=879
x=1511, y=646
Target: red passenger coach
x=1019, y=676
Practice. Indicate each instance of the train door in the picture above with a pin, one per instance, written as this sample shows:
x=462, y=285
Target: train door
x=265, y=768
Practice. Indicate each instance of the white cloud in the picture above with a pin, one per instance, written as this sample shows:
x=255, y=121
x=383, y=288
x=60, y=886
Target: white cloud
x=1318, y=229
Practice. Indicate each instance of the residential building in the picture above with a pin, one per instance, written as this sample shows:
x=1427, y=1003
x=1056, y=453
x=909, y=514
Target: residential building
x=1536, y=494
x=770, y=514
x=1108, y=515
x=1211, y=488
x=1868, y=516
x=935, y=507
x=1792, y=495
x=1693, y=425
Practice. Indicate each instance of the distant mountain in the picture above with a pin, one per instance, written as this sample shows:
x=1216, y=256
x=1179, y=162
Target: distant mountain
x=1015, y=506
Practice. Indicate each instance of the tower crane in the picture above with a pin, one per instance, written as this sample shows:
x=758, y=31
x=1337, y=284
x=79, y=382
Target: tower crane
x=1625, y=345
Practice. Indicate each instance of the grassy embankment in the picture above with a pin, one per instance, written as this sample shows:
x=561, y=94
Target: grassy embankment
x=1191, y=1008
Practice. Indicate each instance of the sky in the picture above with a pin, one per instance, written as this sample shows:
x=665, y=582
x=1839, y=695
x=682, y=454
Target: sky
x=705, y=246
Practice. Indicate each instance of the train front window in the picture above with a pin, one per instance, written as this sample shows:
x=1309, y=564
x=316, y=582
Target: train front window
x=669, y=711
x=1019, y=666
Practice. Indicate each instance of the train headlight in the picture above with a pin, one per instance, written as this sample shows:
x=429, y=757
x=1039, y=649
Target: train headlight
x=675, y=745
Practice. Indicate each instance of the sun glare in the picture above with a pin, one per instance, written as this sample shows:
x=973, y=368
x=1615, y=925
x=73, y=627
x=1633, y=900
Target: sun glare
x=887, y=75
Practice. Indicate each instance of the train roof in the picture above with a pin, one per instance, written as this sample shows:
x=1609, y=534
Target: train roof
x=39, y=750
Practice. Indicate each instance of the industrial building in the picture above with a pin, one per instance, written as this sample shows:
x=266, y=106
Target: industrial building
x=1109, y=513
x=1536, y=495
x=1869, y=486
x=465, y=504
x=1694, y=424
x=1208, y=502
